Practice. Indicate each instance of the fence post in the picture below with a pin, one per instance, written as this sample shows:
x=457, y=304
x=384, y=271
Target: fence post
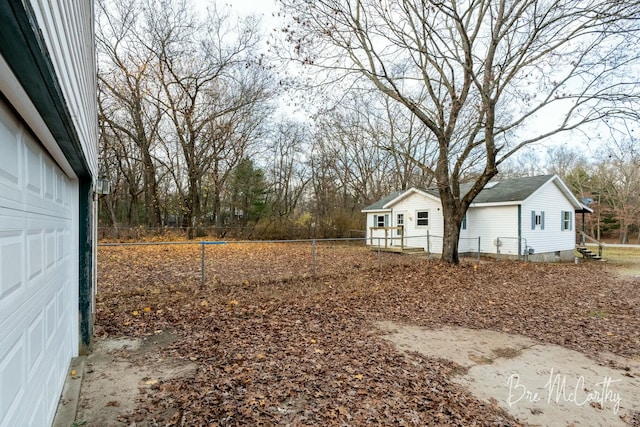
x=497, y=247
x=202, y=266
x=478, y=248
x=313, y=257
x=428, y=244
x=379, y=261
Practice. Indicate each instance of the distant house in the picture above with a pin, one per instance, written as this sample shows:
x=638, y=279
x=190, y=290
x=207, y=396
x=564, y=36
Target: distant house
x=514, y=217
x=48, y=162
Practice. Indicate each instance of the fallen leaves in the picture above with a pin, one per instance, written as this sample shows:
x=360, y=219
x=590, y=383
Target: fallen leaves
x=275, y=346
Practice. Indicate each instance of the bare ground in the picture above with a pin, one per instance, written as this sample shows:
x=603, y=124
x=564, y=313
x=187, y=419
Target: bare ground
x=273, y=345
x=536, y=383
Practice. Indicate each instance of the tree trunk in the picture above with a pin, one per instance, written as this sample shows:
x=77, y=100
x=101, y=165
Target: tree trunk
x=108, y=202
x=624, y=233
x=451, y=237
x=152, y=207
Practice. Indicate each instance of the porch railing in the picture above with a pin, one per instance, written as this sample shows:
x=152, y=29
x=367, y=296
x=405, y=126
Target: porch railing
x=388, y=239
x=585, y=237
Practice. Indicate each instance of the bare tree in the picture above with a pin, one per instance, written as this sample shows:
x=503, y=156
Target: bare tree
x=618, y=176
x=214, y=91
x=287, y=170
x=125, y=96
x=478, y=74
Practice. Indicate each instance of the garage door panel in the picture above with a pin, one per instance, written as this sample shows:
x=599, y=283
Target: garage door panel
x=38, y=412
x=50, y=320
x=35, y=344
x=49, y=182
x=61, y=186
x=12, y=376
x=33, y=164
x=46, y=188
x=38, y=277
x=11, y=251
x=34, y=251
x=50, y=250
x=11, y=148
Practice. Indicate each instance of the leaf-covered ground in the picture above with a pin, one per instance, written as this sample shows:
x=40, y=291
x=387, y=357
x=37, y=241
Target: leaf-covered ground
x=281, y=336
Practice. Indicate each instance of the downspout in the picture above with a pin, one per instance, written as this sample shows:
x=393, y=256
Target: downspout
x=519, y=230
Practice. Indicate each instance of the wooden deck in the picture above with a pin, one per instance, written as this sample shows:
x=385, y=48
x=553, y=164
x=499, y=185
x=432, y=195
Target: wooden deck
x=400, y=250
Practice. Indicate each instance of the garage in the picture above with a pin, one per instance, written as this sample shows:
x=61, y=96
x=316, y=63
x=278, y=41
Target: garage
x=38, y=333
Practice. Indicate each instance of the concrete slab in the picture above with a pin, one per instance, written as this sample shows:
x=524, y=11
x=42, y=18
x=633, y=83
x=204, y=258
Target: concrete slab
x=539, y=384
x=68, y=404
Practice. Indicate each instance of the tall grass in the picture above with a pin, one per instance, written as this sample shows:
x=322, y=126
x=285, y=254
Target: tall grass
x=622, y=256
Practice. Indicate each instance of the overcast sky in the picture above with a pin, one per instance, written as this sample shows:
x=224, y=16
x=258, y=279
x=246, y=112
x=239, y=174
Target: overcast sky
x=266, y=9
x=263, y=8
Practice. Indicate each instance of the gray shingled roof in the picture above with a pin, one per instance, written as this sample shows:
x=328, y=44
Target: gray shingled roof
x=509, y=190
x=379, y=205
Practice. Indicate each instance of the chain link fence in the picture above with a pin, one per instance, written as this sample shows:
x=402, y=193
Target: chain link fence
x=237, y=261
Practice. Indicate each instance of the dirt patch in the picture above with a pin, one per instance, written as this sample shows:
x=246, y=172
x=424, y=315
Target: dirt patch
x=539, y=384
x=118, y=371
x=629, y=272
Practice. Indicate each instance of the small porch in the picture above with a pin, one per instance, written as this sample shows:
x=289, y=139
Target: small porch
x=388, y=239
x=588, y=254
x=391, y=239
x=583, y=238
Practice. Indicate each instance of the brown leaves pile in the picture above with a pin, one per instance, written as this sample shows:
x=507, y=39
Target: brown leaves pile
x=276, y=345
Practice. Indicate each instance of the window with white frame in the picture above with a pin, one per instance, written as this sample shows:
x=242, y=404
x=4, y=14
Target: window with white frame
x=537, y=220
x=422, y=218
x=565, y=220
x=380, y=220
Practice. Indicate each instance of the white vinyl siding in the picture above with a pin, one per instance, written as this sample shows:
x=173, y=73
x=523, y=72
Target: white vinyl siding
x=490, y=223
x=38, y=277
x=550, y=200
x=68, y=31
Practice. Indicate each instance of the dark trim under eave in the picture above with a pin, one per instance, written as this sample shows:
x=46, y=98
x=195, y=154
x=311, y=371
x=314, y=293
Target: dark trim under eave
x=24, y=50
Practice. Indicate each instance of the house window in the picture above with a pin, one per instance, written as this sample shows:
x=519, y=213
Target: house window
x=565, y=220
x=464, y=222
x=422, y=218
x=380, y=220
x=537, y=220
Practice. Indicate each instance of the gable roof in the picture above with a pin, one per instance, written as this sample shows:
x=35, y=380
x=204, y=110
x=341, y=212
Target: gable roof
x=507, y=191
x=380, y=204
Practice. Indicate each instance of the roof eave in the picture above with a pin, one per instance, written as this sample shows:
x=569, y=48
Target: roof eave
x=493, y=204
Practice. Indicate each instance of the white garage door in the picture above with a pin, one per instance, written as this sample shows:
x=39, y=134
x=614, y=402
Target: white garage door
x=38, y=277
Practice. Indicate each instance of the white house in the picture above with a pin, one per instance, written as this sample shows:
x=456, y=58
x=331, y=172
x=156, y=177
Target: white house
x=48, y=162
x=514, y=217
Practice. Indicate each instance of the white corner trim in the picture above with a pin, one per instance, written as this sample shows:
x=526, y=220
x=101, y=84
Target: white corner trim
x=18, y=98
